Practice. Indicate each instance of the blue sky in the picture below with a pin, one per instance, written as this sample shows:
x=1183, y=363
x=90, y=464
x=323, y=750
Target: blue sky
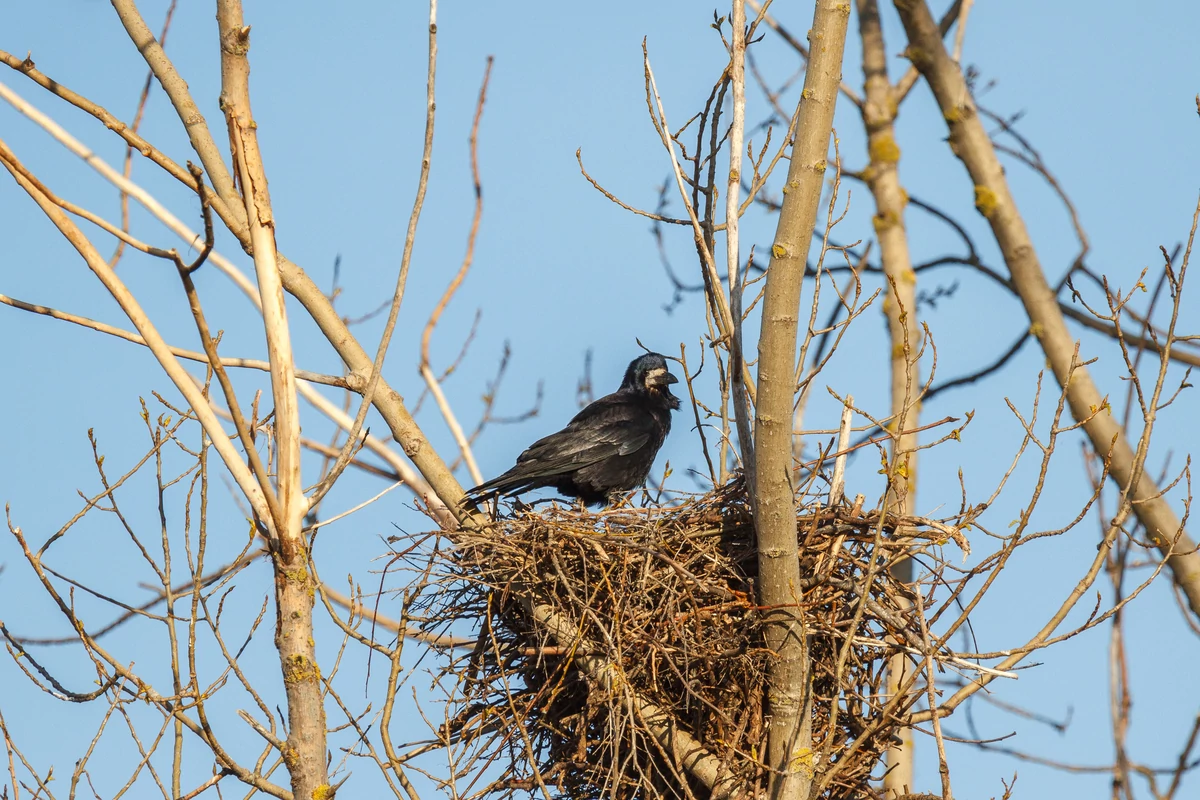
x=559, y=270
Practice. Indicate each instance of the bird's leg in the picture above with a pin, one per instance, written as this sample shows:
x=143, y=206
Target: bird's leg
x=617, y=499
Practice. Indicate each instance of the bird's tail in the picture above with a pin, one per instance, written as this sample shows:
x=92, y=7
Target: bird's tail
x=507, y=483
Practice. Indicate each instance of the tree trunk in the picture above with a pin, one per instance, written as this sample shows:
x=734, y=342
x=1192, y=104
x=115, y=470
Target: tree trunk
x=305, y=752
x=879, y=113
x=789, y=743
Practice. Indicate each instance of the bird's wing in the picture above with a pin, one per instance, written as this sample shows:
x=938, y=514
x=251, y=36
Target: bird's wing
x=612, y=426
x=609, y=427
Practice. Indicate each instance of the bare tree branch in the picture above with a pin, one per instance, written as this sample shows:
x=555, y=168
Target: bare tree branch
x=970, y=142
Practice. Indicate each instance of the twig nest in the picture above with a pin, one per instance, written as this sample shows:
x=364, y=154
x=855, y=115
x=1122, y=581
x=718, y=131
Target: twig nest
x=654, y=608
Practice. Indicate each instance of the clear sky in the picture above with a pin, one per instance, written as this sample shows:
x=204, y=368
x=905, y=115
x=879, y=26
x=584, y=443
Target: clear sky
x=1106, y=94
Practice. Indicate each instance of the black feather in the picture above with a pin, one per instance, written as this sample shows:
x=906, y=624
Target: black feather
x=609, y=446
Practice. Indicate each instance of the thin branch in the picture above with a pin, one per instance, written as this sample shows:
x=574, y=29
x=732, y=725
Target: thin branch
x=970, y=143
x=178, y=352
x=373, y=376
x=154, y=341
x=737, y=78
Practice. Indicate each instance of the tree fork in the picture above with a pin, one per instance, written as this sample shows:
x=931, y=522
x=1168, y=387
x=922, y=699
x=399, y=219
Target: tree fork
x=306, y=751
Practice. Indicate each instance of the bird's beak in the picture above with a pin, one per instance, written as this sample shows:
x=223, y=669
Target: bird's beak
x=660, y=377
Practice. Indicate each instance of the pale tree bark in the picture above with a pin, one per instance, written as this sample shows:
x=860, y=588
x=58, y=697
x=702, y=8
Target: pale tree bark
x=688, y=752
x=880, y=104
x=177, y=90
x=305, y=752
x=789, y=743
x=225, y=447
x=970, y=142
x=737, y=130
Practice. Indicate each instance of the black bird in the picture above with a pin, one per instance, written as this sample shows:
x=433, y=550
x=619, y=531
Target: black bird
x=606, y=449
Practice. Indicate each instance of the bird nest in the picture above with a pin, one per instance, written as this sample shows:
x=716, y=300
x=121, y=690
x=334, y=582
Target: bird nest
x=621, y=654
